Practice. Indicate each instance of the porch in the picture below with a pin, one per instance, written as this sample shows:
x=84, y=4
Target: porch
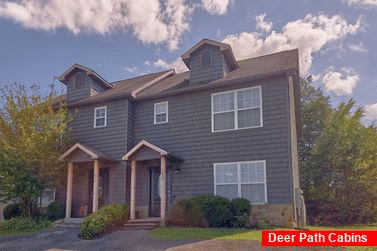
x=87, y=180
x=151, y=190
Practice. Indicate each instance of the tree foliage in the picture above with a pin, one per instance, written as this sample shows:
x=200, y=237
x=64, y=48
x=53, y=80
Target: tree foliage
x=315, y=108
x=338, y=160
x=33, y=134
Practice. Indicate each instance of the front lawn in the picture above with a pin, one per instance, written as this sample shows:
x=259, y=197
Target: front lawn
x=20, y=225
x=173, y=233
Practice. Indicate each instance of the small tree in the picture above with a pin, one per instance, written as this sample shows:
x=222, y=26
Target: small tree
x=33, y=134
x=346, y=154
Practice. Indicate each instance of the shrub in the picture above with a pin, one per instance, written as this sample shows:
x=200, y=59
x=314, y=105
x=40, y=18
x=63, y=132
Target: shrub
x=240, y=209
x=23, y=225
x=105, y=217
x=11, y=211
x=215, y=209
x=56, y=210
x=186, y=213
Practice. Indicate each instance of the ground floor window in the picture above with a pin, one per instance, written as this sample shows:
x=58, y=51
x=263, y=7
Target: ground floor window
x=241, y=180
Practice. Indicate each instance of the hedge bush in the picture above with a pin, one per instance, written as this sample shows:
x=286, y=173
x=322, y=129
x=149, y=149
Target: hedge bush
x=56, y=210
x=240, y=209
x=105, y=217
x=216, y=210
x=11, y=211
x=186, y=213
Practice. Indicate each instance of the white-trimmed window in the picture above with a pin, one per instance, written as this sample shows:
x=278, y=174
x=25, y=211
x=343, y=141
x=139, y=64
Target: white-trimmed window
x=161, y=112
x=100, y=116
x=238, y=109
x=241, y=180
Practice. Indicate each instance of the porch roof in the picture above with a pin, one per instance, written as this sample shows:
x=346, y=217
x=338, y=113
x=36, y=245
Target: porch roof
x=150, y=152
x=90, y=152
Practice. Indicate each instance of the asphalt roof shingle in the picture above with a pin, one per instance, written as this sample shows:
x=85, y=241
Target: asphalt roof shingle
x=259, y=66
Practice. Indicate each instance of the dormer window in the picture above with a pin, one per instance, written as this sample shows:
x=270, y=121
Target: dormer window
x=79, y=79
x=206, y=57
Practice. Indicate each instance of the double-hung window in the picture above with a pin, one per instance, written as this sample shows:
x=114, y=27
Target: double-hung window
x=161, y=112
x=241, y=180
x=100, y=116
x=238, y=109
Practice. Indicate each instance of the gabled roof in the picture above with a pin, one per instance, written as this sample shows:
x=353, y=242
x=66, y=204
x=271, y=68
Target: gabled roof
x=128, y=87
x=94, y=154
x=88, y=71
x=225, y=49
x=168, y=83
x=142, y=143
x=252, y=68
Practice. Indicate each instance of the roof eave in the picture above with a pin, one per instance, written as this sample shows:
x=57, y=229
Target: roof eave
x=219, y=83
x=63, y=78
x=88, y=101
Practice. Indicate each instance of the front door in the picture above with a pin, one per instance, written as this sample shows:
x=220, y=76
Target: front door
x=103, y=193
x=154, y=192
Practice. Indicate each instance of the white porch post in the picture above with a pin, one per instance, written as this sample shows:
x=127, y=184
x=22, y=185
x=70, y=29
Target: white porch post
x=95, y=185
x=133, y=190
x=163, y=190
x=68, y=208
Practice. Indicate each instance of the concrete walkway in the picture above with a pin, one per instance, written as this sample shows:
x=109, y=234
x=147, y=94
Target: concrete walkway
x=66, y=238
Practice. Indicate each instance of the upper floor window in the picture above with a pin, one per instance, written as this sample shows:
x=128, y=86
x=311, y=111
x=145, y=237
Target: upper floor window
x=100, y=116
x=206, y=58
x=238, y=109
x=79, y=79
x=161, y=112
x=241, y=180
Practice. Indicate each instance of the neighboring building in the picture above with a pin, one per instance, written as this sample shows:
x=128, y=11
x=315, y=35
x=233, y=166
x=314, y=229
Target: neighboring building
x=224, y=127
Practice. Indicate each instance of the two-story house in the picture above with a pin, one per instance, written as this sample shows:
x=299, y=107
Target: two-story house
x=224, y=127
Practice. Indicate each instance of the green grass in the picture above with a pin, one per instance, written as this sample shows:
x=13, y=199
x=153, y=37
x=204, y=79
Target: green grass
x=23, y=225
x=174, y=233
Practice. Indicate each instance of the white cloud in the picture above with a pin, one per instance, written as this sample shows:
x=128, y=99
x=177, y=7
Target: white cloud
x=309, y=35
x=340, y=83
x=362, y=2
x=216, y=7
x=263, y=25
x=358, y=47
x=131, y=69
x=178, y=65
x=152, y=21
x=371, y=111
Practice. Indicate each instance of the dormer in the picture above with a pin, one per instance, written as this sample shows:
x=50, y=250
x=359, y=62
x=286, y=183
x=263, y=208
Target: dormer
x=209, y=60
x=82, y=82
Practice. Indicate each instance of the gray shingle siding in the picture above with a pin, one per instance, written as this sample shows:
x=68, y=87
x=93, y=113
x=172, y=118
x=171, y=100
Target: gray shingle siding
x=74, y=93
x=77, y=93
x=111, y=139
x=201, y=74
x=188, y=135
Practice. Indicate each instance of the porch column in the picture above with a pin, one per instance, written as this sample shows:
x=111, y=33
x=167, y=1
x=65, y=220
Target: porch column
x=163, y=190
x=95, y=185
x=133, y=190
x=68, y=203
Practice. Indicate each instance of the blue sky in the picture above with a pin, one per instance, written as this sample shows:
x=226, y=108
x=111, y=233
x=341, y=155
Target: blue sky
x=121, y=39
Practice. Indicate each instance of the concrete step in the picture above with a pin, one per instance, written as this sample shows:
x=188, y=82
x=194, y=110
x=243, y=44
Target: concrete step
x=142, y=224
x=71, y=222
